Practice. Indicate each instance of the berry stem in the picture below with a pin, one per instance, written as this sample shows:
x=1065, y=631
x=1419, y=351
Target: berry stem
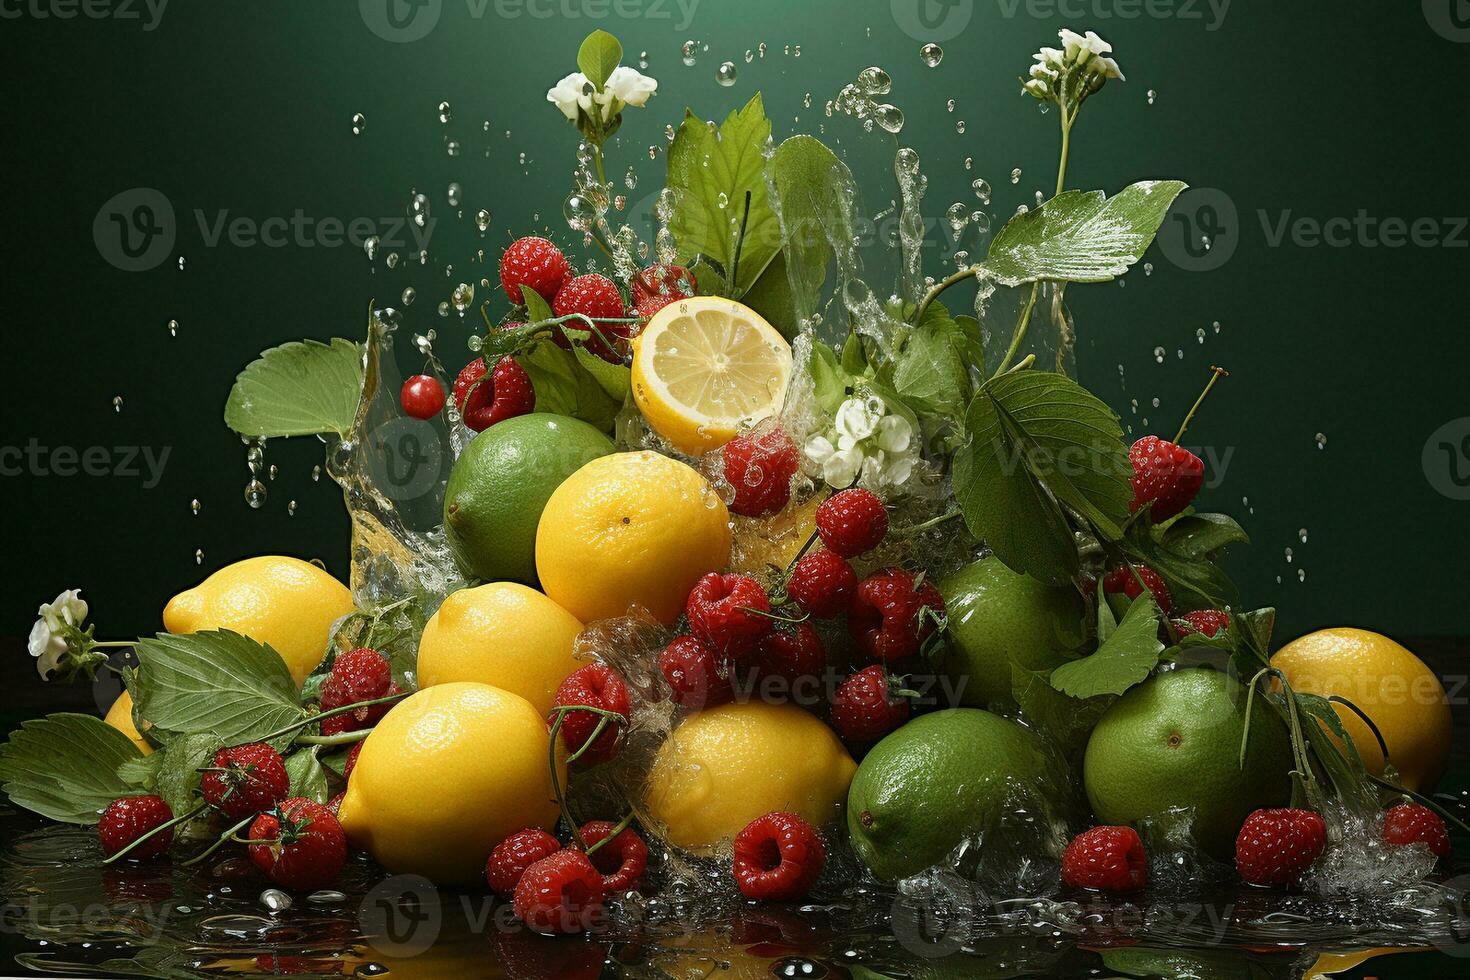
x=621, y=826
x=343, y=738
x=739, y=245
x=328, y=714
x=774, y=615
x=556, y=790
x=181, y=818
x=1216, y=373
x=219, y=842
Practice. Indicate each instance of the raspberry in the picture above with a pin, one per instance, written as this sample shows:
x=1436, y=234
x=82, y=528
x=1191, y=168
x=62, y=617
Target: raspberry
x=358, y=675
x=1275, y=847
x=507, y=394
x=1411, y=823
x=693, y=672
x=533, y=262
x=864, y=707
x=852, y=522
x=822, y=583
x=244, y=780
x=759, y=466
x=725, y=612
x=560, y=893
x=1166, y=474
x=793, y=653
x=422, y=396
x=1107, y=859
x=597, y=297
x=659, y=285
x=892, y=614
x=300, y=845
x=1122, y=580
x=778, y=857
x=621, y=861
x=128, y=819
x=597, y=686
x=512, y=856
x=1206, y=621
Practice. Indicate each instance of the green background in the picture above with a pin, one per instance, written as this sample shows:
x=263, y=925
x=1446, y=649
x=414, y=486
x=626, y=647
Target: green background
x=246, y=108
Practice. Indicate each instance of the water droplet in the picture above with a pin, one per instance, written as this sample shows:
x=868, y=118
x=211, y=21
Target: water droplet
x=907, y=161
x=1301, y=574
x=969, y=162
x=688, y=51
x=725, y=74
x=1303, y=535
x=1216, y=326
x=392, y=260
x=1148, y=268
x=453, y=194
x=117, y=403
x=444, y=112
x=275, y=900
x=370, y=247
x=482, y=219
x=1016, y=176
x=173, y=328
x=316, y=474
x=452, y=147
x=181, y=263
x=1199, y=335
x=194, y=506
x=463, y=296
x=359, y=123
x=949, y=106
x=255, y=494
x=199, y=556
x=931, y=55
x=1321, y=441
x=1159, y=355
x=443, y=307
x=1152, y=95
x=890, y=117
x=1288, y=556
x=981, y=187
x=291, y=508
x=874, y=81
x=409, y=295
x=959, y=126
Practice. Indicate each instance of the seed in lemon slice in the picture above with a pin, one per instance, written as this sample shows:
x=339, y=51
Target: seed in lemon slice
x=704, y=365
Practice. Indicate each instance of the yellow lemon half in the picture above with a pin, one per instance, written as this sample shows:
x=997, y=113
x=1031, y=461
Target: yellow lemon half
x=702, y=366
x=1392, y=686
x=120, y=716
x=723, y=767
x=501, y=634
x=287, y=603
x=448, y=773
x=630, y=529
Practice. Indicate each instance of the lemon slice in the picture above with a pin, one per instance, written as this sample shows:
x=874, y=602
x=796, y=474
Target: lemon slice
x=705, y=365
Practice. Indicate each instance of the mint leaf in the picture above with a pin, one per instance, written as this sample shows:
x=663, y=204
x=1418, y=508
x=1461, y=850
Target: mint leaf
x=178, y=775
x=65, y=766
x=1081, y=236
x=813, y=194
x=307, y=775
x=1123, y=659
x=563, y=386
x=1197, y=535
x=298, y=389
x=218, y=682
x=929, y=373
x=598, y=56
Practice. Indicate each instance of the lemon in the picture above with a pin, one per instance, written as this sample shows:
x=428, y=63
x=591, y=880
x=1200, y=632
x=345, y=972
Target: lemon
x=286, y=603
x=120, y=716
x=704, y=365
x=1392, y=686
x=723, y=767
x=502, y=634
x=630, y=529
x=448, y=773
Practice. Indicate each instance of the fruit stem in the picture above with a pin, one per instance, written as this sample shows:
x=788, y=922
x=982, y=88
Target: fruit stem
x=1250, y=700
x=739, y=245
x=219, y=842
x=1420, y=798
x=932, y=522
x=181, y=818
x=343, y=738
x=556, y=790
x=328, y=714
x=941, y=286
x=621, y=826
x=1216, y=373
x=774, y=615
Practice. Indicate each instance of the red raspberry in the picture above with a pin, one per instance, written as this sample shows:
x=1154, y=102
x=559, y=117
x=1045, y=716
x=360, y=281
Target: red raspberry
x=533, y=262
x=128, y=819
x=597, y=686
x=422, y=396
x=514, y=855
x=864, y=707
x=507, y=394
x=1166, y=474
x=778, y=858
x=351, y=763
x=358, y=675
x=891, y=616
x=524, y=955
x=1122, y=580
x=1274, y=847
x=791, y=653
x=693, y=671
x=659, y=285
x=1206, y=621
x=335, y=803
x=560, y=893
x=852, y=522
x=822, y=583
x=725, y=612
x=1106, y=859
x=759, y=466
x=300, y=845
x=1412, y=823
x=244, y=780
x=621, y=861
x=597, y=297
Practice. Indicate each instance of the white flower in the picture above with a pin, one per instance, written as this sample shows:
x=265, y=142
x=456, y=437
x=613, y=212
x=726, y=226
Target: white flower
x=573, y=92
x=1041, y=72
x=857, y=419
x=47, y=641
x=46, y=647
x=894, y=434
x=867, y=444
x=837, y=467
x=1110, y=69
x=1080, y=47
x=1051, y=57
x=1037, y=88
x=630, y=86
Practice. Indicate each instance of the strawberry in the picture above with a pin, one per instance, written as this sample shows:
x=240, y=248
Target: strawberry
x=300, y=845
x=852, y=522
x=1167, y=475
x=512, y=856
x=1108, y=859
x=759, y=467
x=822, y=583
x=864, y=707
x=244, y=780
x=1412, y=823
x=1122, y=580
x=561, y=893
x=534, y=262
x=126, y=820
x=793, y=653
x=621, y=861
x=778, y=857
x=693, y=672
x=595, y=296
x=892, y=614
x=659, y=285
x=506, y=394
x=1206, y=621
x=597, y=686
x=1274, y=847
x=725, y=611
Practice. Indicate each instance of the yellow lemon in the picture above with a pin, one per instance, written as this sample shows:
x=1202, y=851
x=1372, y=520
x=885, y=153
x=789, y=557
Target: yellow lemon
x=630, y=529
x=450, y=772
x=287, y=603
x=723, y=767
x=1392, y=686
x=501, y=634
x=704, y=365
x=120, y=716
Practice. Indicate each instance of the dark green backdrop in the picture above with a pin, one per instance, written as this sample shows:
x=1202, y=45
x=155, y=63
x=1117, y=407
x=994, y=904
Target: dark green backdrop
x=1288, y=109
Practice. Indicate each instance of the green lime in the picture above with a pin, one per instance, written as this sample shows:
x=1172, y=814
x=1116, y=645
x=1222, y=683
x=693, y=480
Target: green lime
x=1174, y=741
x=998, y=617
x=500, y=485
x=941, y=778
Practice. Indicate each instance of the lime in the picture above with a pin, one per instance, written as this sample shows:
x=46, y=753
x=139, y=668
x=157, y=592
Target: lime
x=501, y=483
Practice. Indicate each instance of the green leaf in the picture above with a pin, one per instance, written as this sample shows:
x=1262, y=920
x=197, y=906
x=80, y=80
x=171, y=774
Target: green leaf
x=854, y=357
x=929, y=373
x=65, y=766
x=709, y=176
x=1081, y=236
x=598, y=56
x=298, y=389
x=1066, y=720
x=829, y=381
x=178, y=773
x=219, y=682
x=563, y=387
x=537, y=309
x=771, y=297
x=308, y=777
x=709, y=279
x=814, y=192
x=1123, y=659
x=1196, y=582
x=614, y=379
x=1197, y=535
